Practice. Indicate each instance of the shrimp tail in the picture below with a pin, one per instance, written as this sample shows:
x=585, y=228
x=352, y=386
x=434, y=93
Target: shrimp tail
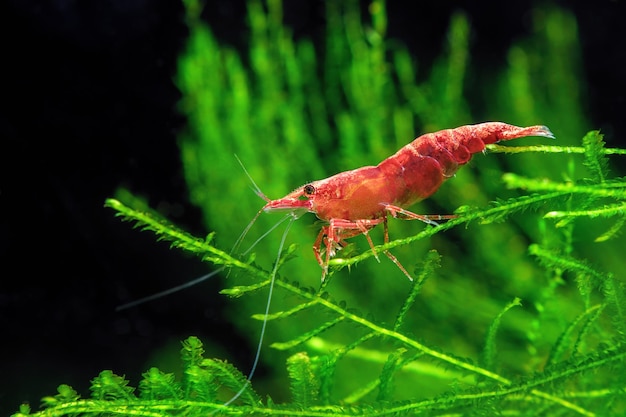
x=454, y=147
x=493, y=132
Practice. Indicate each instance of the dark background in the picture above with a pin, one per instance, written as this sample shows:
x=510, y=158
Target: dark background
x=89, y=104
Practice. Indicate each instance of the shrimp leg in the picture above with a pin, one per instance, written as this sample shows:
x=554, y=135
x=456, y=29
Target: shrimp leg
x=399, y=212
x=333, y=236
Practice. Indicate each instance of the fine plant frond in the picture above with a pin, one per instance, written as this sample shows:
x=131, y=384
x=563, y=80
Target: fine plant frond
x=110, y=387
x=328, y=364
x=583, y=363
x=151, y=221
x=192, y=352
x=595, y=158
x=598, y=196
x=303, y=382
x=615, y=294
x=230, y=377
x=178, y=238
x=240, y=290
x=158, y=385
x=423, y=369
x=385, y=387
x=615, y=189
x=197, y=381
x=499, y=210
x=590, y=325
x=563, y=343
x=383, y=383
x=489, y=351
x=618, y=209
x=551, y=149
x=432, y=262
x=144, y=218
x=614, y=230
x=66, y=394
x=587, y=277
x=306, y=336
x=285, y=313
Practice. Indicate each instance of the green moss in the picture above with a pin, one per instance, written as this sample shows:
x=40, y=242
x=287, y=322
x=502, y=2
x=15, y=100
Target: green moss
x=368, y=341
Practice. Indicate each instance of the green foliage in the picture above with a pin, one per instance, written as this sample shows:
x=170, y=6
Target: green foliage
x=582, y=375
x=367, y=341
x=196, y=393
x=304, y=384
x=489, y=352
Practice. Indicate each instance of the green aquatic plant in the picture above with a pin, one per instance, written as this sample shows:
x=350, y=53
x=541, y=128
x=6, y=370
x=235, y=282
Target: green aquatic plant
x=583, y=373
x=520, y=311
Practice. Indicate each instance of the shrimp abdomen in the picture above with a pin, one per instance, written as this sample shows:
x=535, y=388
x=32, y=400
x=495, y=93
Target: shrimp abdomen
x=432, y=158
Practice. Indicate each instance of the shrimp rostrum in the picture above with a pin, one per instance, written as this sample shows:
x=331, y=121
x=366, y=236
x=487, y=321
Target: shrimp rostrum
x=353, y=202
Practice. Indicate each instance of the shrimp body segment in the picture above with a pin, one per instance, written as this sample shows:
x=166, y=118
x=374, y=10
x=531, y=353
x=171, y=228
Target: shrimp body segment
x=353, y=202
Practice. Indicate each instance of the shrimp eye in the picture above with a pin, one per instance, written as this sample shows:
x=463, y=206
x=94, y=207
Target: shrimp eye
x=309, y=189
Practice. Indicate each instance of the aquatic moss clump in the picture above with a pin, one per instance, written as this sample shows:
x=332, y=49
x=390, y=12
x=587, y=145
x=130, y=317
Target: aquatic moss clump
x=519, y=311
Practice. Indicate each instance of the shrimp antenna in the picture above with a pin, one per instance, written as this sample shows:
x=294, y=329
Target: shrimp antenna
x=169, y=290
x=245, y=231
x=263, y=236
x=238, y=242
x=205, y=276
x=267, y=310
x=255, y=187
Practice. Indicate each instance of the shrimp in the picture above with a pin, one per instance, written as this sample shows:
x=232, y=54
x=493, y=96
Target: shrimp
x=353, y=202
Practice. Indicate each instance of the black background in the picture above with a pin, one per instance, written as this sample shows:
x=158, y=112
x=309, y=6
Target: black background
x=89, y=104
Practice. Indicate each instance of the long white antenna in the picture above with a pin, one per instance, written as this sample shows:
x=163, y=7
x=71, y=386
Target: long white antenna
x=169, y=290
x=255, y=187
x=198, y=280
x=267, y=310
